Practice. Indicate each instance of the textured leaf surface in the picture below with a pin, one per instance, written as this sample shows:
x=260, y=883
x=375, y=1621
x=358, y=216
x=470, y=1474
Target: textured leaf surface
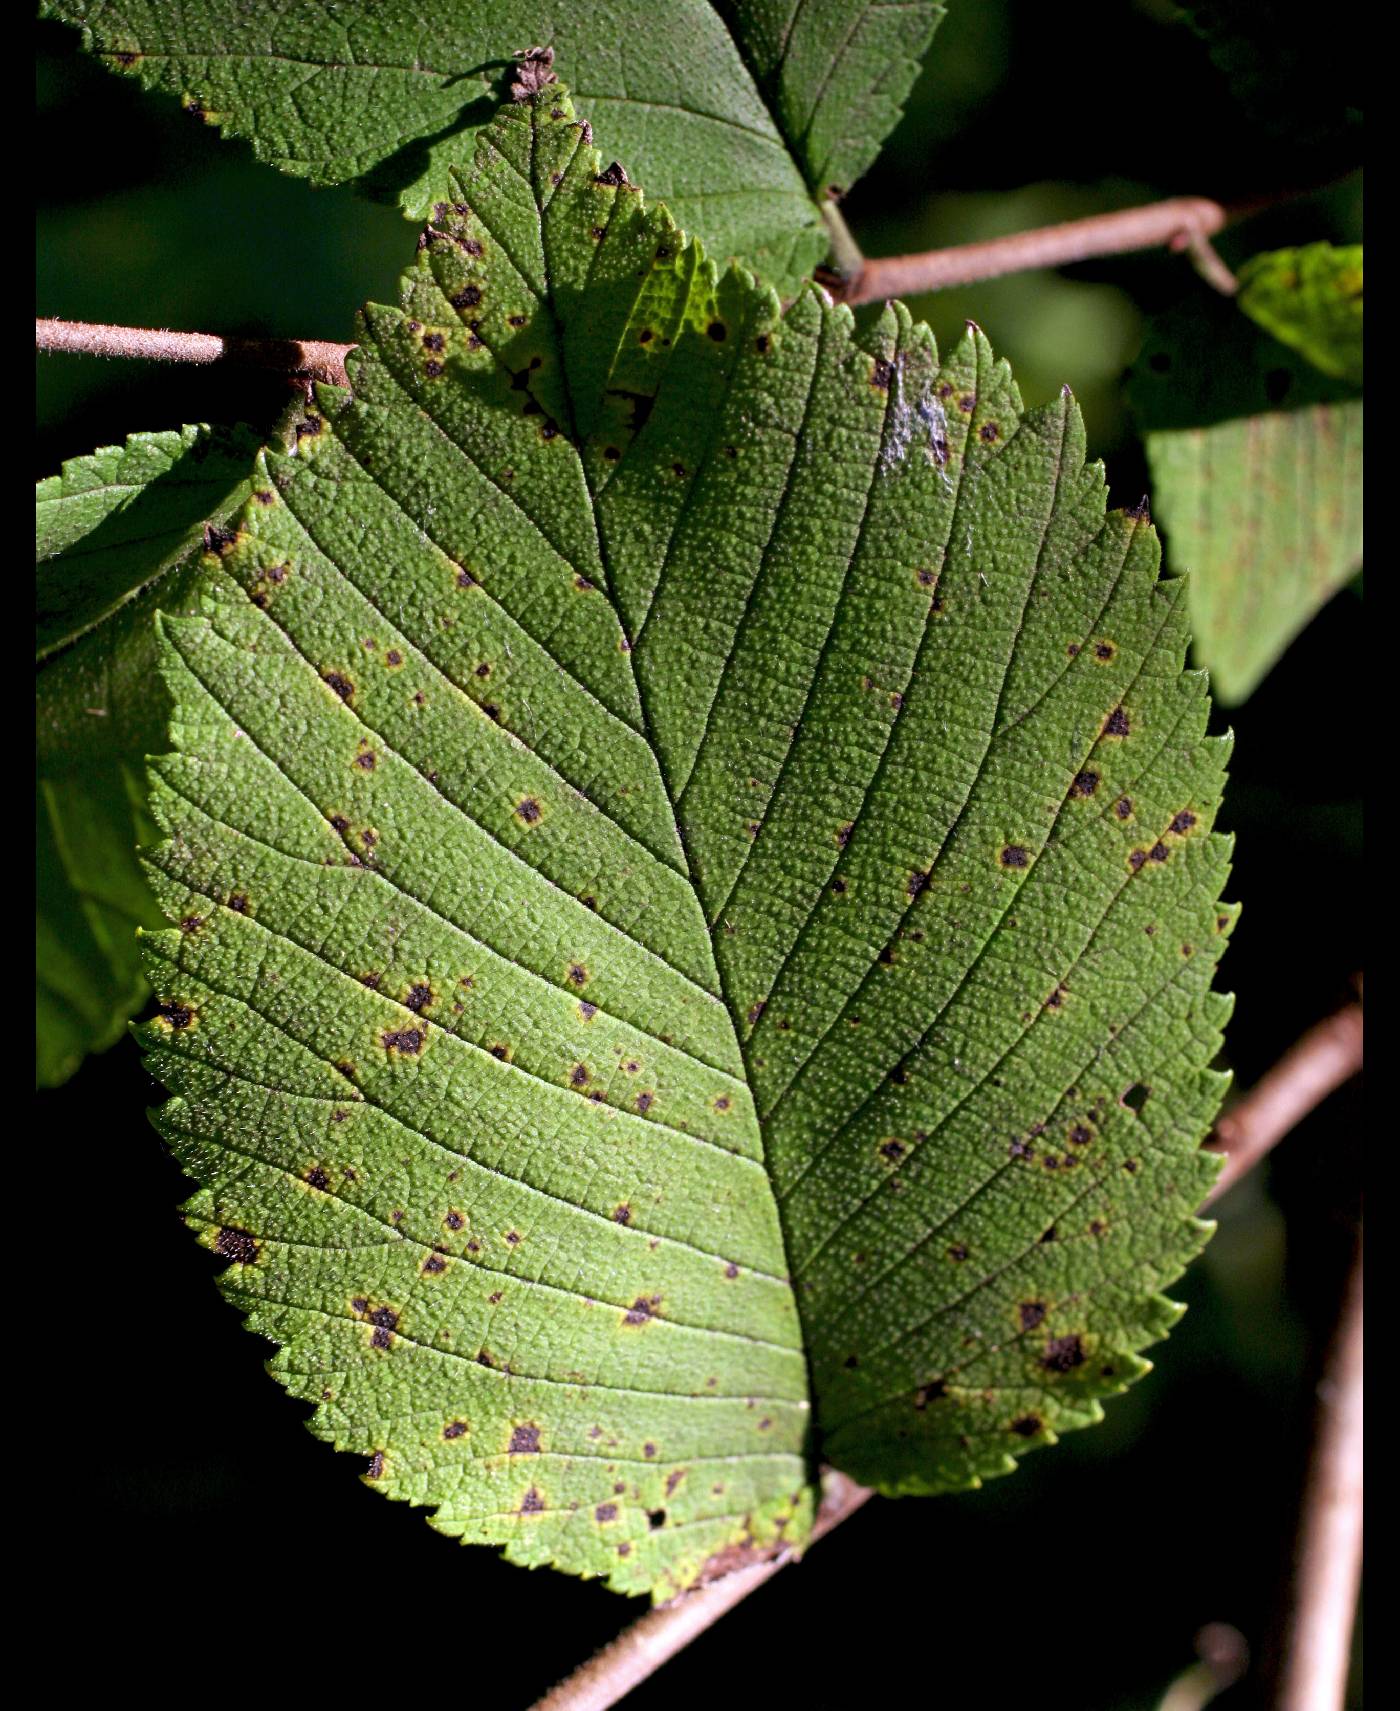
x=109, y=529
x=1311, y=299
x=835, y=75
x=690, y=844
x=390, y=95
x=1266, y=515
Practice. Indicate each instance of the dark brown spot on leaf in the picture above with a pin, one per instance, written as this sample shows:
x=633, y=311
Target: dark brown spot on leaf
x=235, y=1245
x=1063, y=1354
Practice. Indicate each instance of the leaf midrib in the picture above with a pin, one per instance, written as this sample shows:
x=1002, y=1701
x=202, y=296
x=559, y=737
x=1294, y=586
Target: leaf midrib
x=649, y=732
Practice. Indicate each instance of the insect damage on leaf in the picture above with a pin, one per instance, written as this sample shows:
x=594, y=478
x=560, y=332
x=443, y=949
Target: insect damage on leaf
x=798, y=680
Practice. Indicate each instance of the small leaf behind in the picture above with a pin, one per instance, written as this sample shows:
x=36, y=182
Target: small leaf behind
x=114, y=532
x=1265, y=513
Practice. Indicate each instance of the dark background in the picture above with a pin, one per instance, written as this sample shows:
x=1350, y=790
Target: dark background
x=198, y=1535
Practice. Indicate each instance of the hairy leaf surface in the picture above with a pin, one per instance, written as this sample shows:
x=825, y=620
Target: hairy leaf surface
x=690, y=845
x=114, y=531
x=390, y=95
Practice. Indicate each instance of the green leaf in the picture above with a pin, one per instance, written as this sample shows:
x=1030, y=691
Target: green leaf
x=113, y=534
x=835, y=76
x=391, y=95
x=1310, y=299
x=1255, y=453
x=1266, y=515
x=690, y=840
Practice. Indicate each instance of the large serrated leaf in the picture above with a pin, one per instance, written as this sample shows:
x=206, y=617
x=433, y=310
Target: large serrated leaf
x=390, y=96
x=690, y=843
x=114, y=533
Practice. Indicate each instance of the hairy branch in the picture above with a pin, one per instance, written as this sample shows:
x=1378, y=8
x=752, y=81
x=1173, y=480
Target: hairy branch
x=298, y=359
x=1327, y=1549
x=1182, y=223
x=1328, y=1055
x=639, y=1651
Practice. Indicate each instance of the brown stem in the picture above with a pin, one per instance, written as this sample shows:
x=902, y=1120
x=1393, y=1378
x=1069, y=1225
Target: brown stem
x=299, y=359
x=1327, y=1549
x=1182, y=222
x=639, y=1651
x=1329, y=1054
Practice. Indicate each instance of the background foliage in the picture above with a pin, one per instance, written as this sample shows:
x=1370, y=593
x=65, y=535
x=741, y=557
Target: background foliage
x=1102, y=1560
